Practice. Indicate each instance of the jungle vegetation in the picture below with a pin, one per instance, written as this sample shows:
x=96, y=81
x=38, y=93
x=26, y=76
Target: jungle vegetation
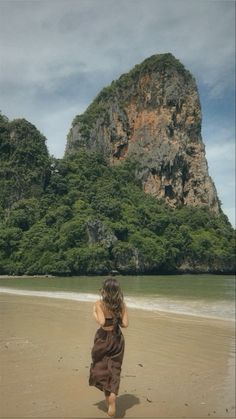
x=79, y=215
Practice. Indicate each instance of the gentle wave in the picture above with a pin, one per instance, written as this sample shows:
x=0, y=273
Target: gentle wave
x=64, y=295
x=201, y=308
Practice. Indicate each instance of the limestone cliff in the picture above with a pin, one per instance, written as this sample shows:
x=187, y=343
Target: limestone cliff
x=152, y=115
x=24, y=161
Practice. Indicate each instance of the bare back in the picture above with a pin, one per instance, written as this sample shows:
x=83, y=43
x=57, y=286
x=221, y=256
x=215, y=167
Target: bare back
x=101, y=313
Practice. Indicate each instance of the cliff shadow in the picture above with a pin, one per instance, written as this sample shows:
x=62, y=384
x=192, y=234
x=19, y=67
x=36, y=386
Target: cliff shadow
x=123, y=403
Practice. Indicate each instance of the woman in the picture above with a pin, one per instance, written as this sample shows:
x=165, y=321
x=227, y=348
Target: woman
x=107, y=354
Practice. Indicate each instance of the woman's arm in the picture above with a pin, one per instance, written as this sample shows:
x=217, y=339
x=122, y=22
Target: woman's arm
x=98, y=313
x=125, y=319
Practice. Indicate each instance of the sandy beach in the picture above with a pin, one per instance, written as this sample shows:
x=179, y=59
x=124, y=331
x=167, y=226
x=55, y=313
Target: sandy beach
x=174, y=366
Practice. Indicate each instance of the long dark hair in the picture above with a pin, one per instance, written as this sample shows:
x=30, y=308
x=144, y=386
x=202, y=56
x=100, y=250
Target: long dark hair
x=112, y=297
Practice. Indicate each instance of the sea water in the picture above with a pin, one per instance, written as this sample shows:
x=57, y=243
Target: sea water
x=207, y=295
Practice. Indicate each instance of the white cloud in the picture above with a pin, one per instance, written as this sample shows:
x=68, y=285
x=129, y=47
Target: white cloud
x=42, y=40
x=55, y=124
x=230, y=212
x=220, y=153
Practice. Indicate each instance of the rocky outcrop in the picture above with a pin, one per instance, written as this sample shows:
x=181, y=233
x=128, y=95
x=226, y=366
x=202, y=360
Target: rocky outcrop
x=153, y=116
x=97, y=232
x=190, y=266
x=24, y=161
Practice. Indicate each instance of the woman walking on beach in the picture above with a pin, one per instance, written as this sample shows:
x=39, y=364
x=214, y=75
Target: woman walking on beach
x=110, y=313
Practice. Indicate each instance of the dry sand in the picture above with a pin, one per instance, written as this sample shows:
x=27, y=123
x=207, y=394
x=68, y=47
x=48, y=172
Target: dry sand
x=174, y=366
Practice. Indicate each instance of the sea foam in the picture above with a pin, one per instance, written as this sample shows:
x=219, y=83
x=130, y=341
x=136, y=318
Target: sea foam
x=202, y=308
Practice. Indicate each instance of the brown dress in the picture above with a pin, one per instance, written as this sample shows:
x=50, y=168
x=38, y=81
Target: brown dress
x=107, y=356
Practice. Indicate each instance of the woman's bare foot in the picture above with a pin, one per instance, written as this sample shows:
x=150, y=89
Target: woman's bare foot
x=112, y=405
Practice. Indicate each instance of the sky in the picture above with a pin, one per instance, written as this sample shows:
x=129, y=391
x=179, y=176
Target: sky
x=56, y=55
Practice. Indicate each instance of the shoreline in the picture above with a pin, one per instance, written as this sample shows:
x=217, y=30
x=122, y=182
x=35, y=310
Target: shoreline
x=174, y=365
x=135, y=303
x=176, y=273
x=27, y=276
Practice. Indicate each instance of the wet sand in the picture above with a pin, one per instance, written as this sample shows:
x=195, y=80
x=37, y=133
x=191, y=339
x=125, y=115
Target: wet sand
x=174, y=366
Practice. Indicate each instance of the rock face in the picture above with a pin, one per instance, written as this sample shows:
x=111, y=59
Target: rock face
x=99, y=233
x=24, y=161
x=153, y=116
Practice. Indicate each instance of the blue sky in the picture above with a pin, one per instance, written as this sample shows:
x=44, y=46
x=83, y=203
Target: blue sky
x=57, y=54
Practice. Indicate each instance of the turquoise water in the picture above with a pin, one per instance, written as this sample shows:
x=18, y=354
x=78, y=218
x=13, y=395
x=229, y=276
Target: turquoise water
x=204, y=295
